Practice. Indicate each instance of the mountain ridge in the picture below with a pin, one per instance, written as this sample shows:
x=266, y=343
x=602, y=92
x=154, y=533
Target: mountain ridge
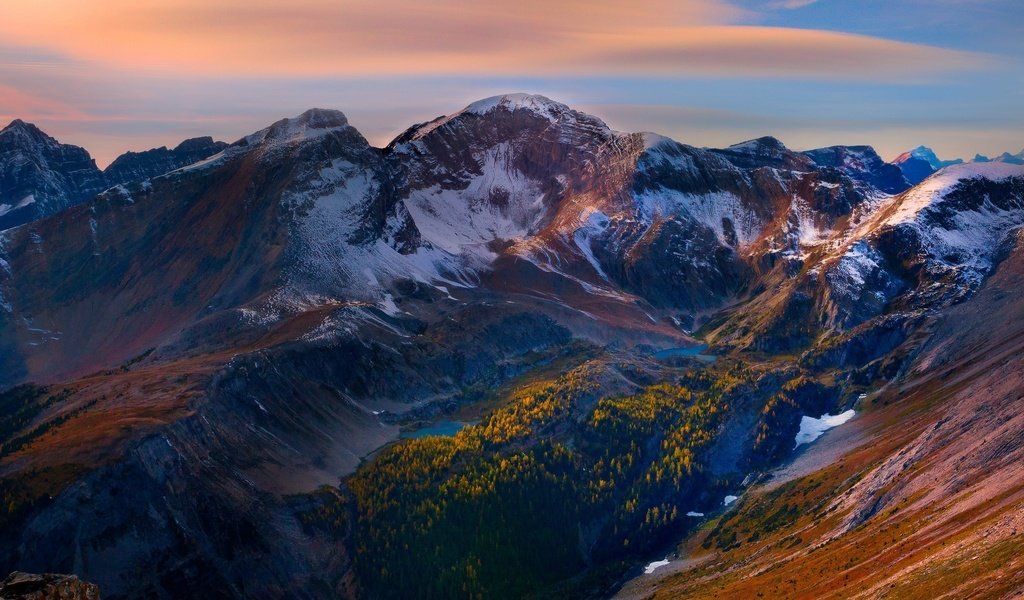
x=416, y=199
x=40, y=176
x=919, y=163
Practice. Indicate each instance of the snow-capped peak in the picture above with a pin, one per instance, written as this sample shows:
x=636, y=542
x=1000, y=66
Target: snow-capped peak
x=534, y=103
x=927, y=155
x=311, y=124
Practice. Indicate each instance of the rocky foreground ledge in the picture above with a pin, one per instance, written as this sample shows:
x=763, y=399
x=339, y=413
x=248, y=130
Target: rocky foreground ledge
x=48, y=586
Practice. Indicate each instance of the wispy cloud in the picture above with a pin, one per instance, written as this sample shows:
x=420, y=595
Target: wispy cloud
x=792, y=4
x=452, y=37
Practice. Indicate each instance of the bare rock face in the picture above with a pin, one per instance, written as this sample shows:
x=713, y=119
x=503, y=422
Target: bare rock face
x=765, y=152
x=914, y=168
x=863, y=164
x=48, y=586
x=138, y=166
x=39, y=176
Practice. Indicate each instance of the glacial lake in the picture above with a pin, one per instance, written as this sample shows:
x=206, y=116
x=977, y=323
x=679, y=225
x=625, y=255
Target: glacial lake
x=442, y=428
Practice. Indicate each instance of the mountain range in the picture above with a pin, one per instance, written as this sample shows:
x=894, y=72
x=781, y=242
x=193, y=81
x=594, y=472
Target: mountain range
x=214, y=356
x=919, y=163
x=39, y=176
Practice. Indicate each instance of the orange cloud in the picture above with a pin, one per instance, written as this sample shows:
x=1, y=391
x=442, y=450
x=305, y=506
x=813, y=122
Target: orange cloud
x=453, y=37
x=17, y=104
x=769, y=51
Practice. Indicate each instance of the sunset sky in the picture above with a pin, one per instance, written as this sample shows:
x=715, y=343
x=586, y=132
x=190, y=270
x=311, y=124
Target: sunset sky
x=115, y=75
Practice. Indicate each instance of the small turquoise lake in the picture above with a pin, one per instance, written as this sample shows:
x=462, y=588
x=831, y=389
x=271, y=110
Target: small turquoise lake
x=442, y=428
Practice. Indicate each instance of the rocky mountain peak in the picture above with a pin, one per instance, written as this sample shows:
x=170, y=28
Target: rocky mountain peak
x=20, y=133
x=762, y=143
x=139, y=166
x=321, y=118
x=928, y=155
x=534, y=103
x=197, y=143
x=40, y=176
x=496, y=111
x=311, y=124
x=1014, y=159
x=863, y=164
x=925, y=153
x=765, y=151
x=18, y=125
x=918, y=164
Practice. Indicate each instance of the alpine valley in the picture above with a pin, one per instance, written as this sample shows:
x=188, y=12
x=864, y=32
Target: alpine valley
x=512, y=354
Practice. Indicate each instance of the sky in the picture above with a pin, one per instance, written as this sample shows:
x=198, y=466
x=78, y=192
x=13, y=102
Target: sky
x=117, y=75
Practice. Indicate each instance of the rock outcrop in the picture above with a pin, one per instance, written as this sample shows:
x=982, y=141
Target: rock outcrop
x=48, y=586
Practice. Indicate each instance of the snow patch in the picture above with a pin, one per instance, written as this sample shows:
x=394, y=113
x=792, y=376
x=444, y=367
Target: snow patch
x=850, y=273
x=534, y=103
x=387, y=304
x=653, y=140
x=593, y=224
x=654, y=566
x=811, y=428
x=259, y=316
x=6, y=208
x=499, y=204
x=210, y=161
x=712, y=210
x=804, y=231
